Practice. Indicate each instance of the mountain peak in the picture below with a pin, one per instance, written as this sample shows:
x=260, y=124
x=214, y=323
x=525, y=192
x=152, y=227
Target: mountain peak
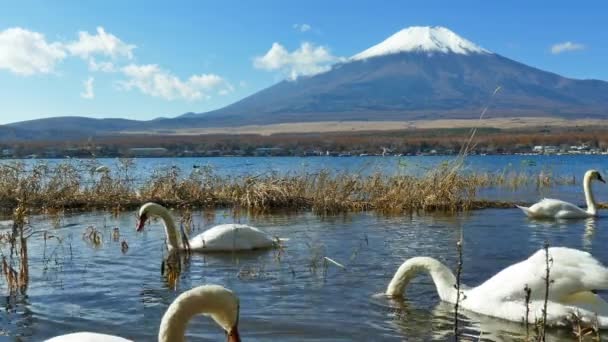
x=422, y=39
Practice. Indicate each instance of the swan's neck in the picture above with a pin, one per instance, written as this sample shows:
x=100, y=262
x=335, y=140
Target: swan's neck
x=212, y=300
x=444, y=279
x=589, y=198
x=170, y=229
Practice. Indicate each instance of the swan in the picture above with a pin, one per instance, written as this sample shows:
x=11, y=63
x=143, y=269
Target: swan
x=224, y=237
x=100, y=169
x=213, y=300
x=554, y=208
x=574, y=276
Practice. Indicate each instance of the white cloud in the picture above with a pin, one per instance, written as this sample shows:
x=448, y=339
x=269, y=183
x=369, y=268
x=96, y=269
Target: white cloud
x=150, y=79
x=102, y=43
x=26, y=53
x=88, y=89
x=305, y=61
x=205, y=81
x=302, y=27
x=229, y=88
x=566, y=46
x=101, y=66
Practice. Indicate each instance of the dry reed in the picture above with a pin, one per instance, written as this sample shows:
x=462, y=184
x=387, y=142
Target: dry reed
x=52, y=189
x=17, y=280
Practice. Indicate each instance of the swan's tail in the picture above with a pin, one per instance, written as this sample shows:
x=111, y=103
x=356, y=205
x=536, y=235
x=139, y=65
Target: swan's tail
x=526, y=210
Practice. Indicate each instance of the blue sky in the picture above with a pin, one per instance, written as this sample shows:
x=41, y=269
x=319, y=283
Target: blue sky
x=145, y=59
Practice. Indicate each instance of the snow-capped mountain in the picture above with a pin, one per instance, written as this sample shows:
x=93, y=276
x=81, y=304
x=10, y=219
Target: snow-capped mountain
x=417, y=73
x=421, y=39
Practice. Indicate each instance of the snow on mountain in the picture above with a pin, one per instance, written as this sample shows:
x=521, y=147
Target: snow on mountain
x=422, y=39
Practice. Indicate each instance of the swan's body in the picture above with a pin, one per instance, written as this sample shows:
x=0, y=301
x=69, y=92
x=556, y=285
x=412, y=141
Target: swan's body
x=574, y=275
x=213, y=300
x=101, y=169
x=558, y=209
x=225, y=237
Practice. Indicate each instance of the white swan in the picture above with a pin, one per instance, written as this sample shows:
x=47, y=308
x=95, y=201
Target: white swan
x=225, y=237
x=553, y=208
x=214, y=300
x=574, y=275
x=100, y=169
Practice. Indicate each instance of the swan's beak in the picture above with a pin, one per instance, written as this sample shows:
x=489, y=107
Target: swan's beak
x=233, y=335
x=141, y=222
x=599, y=177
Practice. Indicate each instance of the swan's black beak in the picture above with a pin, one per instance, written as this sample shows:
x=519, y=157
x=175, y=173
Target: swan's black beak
x=233, y=335
x=599, y=177
x=141, y=222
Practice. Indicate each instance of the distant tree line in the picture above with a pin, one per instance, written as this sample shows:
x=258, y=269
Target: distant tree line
x=441, y=141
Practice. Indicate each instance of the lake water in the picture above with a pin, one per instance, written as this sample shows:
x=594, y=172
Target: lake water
x=291, y=295
x=239, y=166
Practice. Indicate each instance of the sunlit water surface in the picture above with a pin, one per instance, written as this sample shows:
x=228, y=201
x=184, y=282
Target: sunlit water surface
x=288, y=295
x=292, y=295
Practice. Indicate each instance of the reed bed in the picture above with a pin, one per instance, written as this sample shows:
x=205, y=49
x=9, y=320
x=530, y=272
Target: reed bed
x=71, y=185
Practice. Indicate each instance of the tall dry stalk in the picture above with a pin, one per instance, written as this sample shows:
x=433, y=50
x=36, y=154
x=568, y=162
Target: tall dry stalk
x=546, y=299
x=528, y=294
x=17, y=280
x=457, y=286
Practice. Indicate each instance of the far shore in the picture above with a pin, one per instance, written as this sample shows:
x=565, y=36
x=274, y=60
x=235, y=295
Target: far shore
x=350, y=126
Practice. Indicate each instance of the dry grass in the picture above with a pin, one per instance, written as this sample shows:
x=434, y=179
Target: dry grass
x=443, y=188
x=15, y=265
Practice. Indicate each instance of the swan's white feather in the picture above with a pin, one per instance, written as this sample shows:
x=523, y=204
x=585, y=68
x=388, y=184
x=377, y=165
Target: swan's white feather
x=557, y=209
x=570, y=271
x=87, y=337
x=214, y=300
x=573, y=275
x=229, y=237
x=558, y=314
x=221, y=238
x=554, y=208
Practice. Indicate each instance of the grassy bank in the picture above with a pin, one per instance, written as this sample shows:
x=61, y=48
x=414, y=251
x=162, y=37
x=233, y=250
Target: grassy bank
x=70, y=185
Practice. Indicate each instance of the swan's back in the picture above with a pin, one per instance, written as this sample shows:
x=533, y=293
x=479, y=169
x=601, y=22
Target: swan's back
x=554, y=208
x=87, y=337
x=571, y=271
x=231, y=237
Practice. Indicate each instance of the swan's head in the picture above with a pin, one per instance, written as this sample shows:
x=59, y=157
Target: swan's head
x=594, y=175
x=147, y=210
x=223, y=308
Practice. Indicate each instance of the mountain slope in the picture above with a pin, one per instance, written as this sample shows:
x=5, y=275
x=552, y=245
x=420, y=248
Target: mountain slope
x=78, y=124
x=415, y=85
x=418, y=73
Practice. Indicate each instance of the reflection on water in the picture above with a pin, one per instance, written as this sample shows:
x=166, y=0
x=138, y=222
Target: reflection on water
x=589, y=232
x=289, y=294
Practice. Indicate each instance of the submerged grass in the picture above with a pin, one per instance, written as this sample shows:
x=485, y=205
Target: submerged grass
x=66, y=186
